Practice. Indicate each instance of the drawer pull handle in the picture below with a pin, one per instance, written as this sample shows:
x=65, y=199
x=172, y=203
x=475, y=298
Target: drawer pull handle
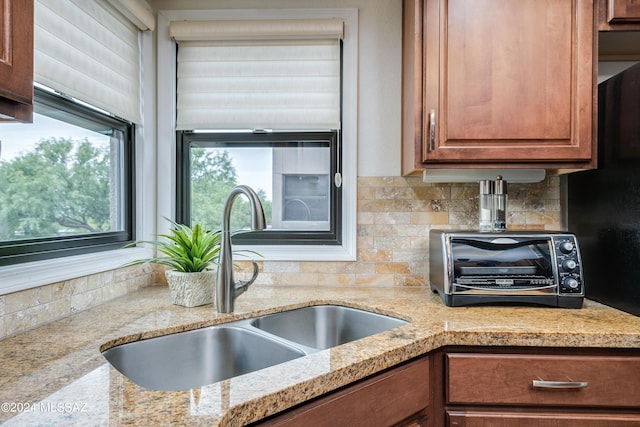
x=560, y=384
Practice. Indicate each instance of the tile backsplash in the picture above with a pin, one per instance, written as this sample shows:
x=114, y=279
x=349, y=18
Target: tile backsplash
x=395, y=215
x=23, y=310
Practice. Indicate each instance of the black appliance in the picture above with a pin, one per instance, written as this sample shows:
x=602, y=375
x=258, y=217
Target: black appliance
x=604, y=204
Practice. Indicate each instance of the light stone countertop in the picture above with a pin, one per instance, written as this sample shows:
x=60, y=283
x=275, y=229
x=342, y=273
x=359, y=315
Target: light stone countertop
x=55, y=374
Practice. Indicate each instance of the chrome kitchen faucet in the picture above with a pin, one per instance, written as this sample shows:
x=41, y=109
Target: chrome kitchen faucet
x=227, y=289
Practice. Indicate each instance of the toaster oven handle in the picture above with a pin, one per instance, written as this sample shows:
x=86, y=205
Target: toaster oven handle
x=504, y=241
x=560, y=384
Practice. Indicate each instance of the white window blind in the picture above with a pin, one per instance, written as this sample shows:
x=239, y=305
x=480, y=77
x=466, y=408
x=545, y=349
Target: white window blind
x=89, y=51
x=280, y=74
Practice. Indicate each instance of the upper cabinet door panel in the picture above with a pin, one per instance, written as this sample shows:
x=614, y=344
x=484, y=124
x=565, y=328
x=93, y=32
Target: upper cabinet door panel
x=515, y=81
x=16, y=59
x=619, y=15
x=623, y=11
x=501, y=82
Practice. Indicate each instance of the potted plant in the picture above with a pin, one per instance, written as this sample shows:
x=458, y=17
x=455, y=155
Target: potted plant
x=191, y=254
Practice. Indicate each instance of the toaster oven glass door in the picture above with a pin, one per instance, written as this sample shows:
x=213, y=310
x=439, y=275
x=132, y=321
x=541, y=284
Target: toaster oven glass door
x=502, y=260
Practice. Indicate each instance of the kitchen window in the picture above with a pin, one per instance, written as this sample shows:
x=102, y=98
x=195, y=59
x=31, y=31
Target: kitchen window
x=177, y=134
x=67, y=179
x=294, y=174
x=259, y=102
x=67, y=182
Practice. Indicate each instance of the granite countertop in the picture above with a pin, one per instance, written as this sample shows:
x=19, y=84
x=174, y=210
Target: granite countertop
x=55, y=374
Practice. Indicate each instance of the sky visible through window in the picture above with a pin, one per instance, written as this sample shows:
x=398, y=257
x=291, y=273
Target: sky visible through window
x=17, y=138
x=254, y=168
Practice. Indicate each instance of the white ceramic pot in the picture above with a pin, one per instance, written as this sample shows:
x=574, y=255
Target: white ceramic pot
x=191, y=289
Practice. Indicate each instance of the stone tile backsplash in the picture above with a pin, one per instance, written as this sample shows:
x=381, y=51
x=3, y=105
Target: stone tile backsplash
x=20, y=311
x=395, y=215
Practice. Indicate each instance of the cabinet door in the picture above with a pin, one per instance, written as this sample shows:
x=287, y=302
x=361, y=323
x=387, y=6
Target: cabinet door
x=396, y=397
x=509, y=81
x=618, y=15
x=623, y=11
x=16, y=59
x=524, y=419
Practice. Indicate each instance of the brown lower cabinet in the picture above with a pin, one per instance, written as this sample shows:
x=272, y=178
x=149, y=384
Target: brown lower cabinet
x=397, y=397
x=539, y=419
x=487, y=387
x=537, y=387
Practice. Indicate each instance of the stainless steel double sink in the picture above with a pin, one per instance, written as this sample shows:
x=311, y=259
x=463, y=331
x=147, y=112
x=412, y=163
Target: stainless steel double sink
x=204, y=356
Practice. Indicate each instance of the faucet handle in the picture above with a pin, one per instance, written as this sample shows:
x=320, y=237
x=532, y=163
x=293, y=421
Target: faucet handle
x=242, y=285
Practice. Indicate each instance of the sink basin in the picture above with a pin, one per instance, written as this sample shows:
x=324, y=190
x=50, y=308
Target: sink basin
x=325, y=326
x=195, y=358
x=204, y=356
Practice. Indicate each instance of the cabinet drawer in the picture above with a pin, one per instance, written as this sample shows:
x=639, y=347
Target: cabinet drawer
x=509, y=379
x=540, y=419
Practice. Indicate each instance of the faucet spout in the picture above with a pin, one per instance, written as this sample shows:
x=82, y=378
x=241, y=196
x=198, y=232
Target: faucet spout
x=227, y=289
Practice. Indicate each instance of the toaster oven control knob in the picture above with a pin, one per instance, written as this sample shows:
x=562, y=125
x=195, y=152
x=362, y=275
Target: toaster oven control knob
x=569, y=265
x=566, y=247
x=570, y=283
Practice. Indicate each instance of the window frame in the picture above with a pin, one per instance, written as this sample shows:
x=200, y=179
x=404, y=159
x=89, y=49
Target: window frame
x=187, y=139
x=29, y=250
x=166, y=126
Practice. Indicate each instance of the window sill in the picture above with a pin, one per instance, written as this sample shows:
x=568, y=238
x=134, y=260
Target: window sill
x=19, y=277
x=299, y=253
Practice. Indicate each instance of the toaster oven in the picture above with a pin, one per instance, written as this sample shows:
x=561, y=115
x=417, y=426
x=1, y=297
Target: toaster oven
x=542, y=268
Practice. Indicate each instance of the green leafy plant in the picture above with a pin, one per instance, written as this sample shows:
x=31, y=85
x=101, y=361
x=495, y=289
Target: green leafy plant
x=185, y=249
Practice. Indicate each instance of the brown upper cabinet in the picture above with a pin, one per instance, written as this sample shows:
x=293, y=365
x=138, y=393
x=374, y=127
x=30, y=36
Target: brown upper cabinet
x=499, y=83
x=16, y=60
x=614, y=15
